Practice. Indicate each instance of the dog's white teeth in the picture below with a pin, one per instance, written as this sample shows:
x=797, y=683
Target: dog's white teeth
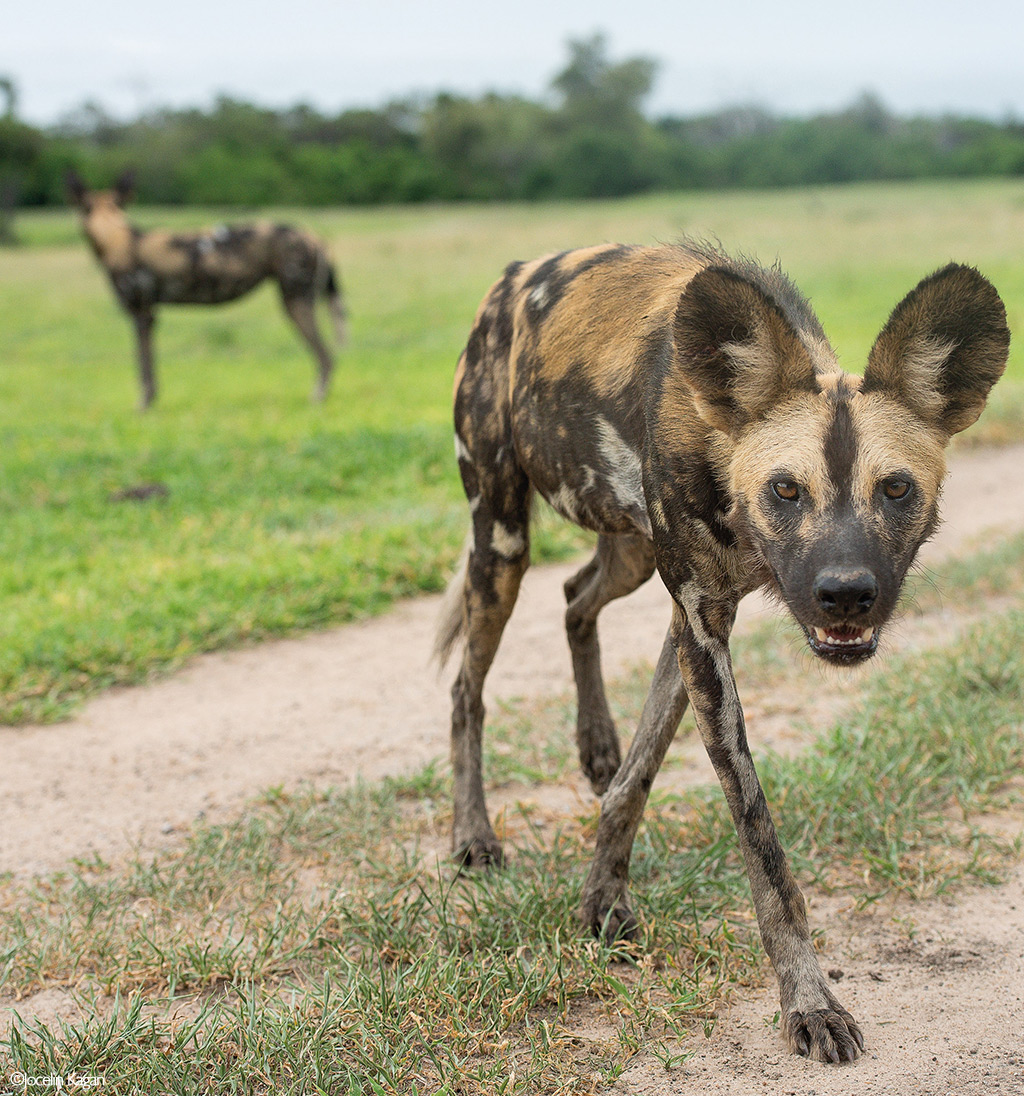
x=857, y=640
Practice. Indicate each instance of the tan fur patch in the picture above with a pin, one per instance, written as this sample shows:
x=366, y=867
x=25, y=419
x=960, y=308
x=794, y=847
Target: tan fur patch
x=922, y=367
x=838, y=383
x=824, y=358
x=638, y=295
x=507, y=542
x=790, y=439
x=893, y=441
x=769, y=364
x=156, y=252
x=109, y=232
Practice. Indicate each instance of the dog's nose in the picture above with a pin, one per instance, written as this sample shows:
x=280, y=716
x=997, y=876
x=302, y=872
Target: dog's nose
x=846, y=593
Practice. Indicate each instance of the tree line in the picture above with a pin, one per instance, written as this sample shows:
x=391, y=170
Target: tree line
x=588, y=138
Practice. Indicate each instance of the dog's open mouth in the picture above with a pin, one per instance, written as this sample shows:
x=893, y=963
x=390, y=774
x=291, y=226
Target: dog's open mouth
x=843, y=643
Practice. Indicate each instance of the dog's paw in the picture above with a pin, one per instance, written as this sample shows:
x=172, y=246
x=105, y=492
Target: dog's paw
x=479, y=853
x=826, y=1034
x=610, y=922
x=600, y=760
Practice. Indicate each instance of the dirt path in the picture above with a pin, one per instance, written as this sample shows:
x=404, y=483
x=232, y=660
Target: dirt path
x=138, y=765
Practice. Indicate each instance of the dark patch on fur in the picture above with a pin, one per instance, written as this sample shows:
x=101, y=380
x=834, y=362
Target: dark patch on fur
x=549, y=275
x=503, y=326
x=841, y=451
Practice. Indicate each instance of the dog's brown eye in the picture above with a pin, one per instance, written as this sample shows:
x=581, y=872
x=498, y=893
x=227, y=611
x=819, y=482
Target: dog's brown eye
x=897, y=488
x=786, y=490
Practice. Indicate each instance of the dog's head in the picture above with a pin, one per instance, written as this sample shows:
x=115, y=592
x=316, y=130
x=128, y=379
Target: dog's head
x=835, y=479
x=103, y=219
x=89, y=202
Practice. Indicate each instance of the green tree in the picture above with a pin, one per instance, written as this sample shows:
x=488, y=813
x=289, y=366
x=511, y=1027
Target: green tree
x=603, y=145
x=590, y=137
x=596, y=92
x=20, y=151
x=483, y=148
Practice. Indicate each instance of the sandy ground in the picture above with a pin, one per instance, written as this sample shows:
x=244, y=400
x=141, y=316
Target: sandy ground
x=942, y=1011
x=938, y=988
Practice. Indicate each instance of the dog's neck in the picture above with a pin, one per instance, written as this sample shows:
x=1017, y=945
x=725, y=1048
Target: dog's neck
x=110, y=234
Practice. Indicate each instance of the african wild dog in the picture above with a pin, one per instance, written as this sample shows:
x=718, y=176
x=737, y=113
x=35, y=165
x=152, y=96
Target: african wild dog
x=212, y=267
x=688, y=408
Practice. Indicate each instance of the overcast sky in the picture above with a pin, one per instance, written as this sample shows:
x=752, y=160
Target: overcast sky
x=796, y=57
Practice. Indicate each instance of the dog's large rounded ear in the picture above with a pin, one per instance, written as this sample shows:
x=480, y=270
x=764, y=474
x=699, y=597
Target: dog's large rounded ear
x=736, y=350
x=943, y=348
x=124, y=188
x=75, y=188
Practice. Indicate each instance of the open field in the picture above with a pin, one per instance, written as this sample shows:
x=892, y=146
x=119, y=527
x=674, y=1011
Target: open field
x=282, y=516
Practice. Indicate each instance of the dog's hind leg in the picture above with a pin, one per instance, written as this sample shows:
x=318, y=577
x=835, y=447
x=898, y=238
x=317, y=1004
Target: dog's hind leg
x=302, y=313
x=619, y=565
x=498, y=558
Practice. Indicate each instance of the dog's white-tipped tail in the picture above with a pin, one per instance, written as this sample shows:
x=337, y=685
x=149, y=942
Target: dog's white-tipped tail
x=336, y=305
x=451, y=621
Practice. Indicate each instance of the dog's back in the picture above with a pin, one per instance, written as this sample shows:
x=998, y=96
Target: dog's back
x=556, y=367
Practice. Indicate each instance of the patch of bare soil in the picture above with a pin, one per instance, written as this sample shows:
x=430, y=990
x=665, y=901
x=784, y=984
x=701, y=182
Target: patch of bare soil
x=938, y=988
x=941, y=1008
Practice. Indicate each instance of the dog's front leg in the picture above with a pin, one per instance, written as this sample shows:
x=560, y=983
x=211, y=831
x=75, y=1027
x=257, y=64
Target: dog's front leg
x=814, y=1022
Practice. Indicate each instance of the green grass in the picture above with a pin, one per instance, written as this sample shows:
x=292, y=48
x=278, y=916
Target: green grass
x=972, y=582
x=282, y=516
x=315, y=945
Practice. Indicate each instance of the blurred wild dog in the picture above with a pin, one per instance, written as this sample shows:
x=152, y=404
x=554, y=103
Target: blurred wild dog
x=688, y=408
x=211, y=267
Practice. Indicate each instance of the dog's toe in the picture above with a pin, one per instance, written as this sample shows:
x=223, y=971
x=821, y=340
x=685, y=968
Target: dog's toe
x=479, y=854
x=826, y=1035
